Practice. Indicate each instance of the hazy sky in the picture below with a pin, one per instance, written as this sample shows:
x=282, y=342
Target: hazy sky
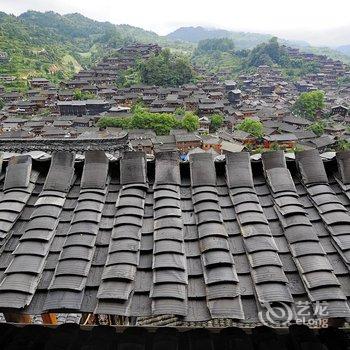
x=293, y=19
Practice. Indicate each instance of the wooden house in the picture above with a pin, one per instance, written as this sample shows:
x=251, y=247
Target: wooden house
x=185, y=142
x=286, y=140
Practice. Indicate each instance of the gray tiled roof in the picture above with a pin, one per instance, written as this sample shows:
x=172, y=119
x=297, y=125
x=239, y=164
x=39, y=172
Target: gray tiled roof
x=197, y=240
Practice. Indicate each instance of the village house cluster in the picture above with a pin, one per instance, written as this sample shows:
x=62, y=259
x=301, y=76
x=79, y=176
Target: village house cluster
x=50, y=112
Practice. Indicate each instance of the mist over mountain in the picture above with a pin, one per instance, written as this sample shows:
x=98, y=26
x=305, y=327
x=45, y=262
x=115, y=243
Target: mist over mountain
x=243, y=40
x=50, y=44
x=335, y=38
x=345, y=49
x=54, y=45
x=195, y=34
x=330, y=37
x=248, y=40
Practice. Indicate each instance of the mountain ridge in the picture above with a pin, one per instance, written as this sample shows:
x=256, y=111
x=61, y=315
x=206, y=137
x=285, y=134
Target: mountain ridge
x=55, y=46
x=197, y=33
x=345, y=49
x=39, y=43
x=248, y=40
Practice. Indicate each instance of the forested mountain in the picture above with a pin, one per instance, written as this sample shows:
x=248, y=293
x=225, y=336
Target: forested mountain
x=221, y=55
x=53, y=45
x=68, y=27
x=33, y=49
x=195, y=34
x=345, y=49
x=217, y=55
x=245, y=40
x=75, y=26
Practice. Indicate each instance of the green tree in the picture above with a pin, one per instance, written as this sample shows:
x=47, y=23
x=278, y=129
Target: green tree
x=81, y=95
x=343, y=145
x=343, y=81
x=59, y=75
x=137, y=105
x=216, y=121
x=129, y=77
x=116, y=122
x=268, y=54
x=2, y=104
x=211, y=45
x=271, y=53
x=259, y=150
x=309, y=103
x=275, y=146
x=190, y=121
x=180, y=111
x=253, y=127
x=166, y=69
x=298, y=148
x=317, y=128
x=161, y=123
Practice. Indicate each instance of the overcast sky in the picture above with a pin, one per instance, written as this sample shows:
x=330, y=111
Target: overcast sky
x=318, y=22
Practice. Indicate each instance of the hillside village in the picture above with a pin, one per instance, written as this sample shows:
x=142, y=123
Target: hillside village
x=187, y=191
x=48, y=111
